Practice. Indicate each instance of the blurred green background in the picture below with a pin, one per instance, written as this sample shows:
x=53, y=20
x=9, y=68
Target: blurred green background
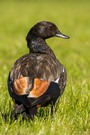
x=72, y=18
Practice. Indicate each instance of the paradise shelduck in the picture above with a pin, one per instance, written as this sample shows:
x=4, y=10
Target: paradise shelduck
x=37, y=78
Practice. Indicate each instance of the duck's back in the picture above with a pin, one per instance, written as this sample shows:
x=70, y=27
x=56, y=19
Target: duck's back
x=38, y=65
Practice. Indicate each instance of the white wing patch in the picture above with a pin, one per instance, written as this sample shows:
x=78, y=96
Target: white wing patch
x=57, y=80
x=63, y=70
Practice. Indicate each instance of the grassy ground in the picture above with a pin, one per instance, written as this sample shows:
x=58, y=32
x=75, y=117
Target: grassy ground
x=73, y=18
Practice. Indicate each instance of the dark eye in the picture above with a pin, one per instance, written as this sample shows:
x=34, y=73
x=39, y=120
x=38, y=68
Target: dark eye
x=51, y=28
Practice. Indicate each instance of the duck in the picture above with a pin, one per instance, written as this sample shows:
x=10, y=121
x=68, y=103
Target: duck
x=37, y=79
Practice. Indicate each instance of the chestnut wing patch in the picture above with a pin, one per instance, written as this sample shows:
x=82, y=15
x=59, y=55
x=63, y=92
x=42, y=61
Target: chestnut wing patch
x=21, y=85
x=39, y=88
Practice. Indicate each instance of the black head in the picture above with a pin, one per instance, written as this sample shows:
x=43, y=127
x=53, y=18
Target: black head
x=45, y=30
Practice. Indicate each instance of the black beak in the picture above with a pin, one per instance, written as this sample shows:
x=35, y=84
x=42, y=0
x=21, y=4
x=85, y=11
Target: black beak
x=61, y=35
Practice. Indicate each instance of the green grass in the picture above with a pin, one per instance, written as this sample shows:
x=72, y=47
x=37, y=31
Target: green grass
x=72, y=18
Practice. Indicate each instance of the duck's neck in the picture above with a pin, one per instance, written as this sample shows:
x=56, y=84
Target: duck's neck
x=38, y=45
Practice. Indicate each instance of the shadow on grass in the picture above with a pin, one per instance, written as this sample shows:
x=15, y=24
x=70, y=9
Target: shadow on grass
x=42, y=113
